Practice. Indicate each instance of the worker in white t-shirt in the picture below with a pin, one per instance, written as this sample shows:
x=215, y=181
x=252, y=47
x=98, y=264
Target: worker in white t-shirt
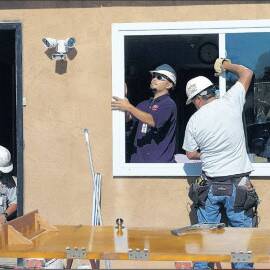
x=215, y=135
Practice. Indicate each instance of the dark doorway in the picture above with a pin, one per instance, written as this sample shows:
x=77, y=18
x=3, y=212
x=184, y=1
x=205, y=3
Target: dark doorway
x=11, y=100
x=8, y=93
x=190, y=55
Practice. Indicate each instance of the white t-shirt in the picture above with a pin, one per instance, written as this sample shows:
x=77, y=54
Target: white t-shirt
x=217, y=130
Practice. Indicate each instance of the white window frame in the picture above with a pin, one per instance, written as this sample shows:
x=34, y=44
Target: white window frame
x=119, y=31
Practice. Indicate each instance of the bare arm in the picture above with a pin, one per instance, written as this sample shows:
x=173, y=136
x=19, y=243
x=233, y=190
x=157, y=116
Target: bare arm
x=10, y=210
x=195, y=155
x=125, y=106
x=244, y=74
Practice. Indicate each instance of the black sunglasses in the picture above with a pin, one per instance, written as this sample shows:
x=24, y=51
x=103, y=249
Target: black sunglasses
x=159, y=77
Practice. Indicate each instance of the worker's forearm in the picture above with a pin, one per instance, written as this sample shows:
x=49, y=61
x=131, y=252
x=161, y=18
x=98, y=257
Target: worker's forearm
x=244, y=74
x=11, y=209
x=239, y=70
x=144, y=117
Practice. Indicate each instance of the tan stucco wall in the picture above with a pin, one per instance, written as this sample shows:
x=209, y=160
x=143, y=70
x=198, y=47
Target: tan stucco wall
x=57, y=180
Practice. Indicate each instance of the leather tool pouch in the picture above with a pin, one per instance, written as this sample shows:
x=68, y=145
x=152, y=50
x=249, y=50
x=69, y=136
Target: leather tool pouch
x=198, y=194
x=252, y=199
x=240, y=199
x=222, y=188
x=245, y=200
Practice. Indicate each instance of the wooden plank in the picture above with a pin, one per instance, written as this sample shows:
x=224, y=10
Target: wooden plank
x=203, y=246
x=16, y=240
x=26, y=225
x=101, y=243
x=19, y=232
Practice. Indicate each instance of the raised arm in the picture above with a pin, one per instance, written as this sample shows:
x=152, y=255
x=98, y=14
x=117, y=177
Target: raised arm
x=244, y=74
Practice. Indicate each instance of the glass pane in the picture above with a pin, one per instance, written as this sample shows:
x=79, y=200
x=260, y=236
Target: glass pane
x=253, y=51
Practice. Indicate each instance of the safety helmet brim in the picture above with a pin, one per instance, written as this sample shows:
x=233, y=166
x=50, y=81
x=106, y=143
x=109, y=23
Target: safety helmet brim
x=167, y=71
x=191, y=97
x=6, y=165
x=6, y=169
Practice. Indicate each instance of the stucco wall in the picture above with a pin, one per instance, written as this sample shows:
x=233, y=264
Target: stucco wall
x=59, y=106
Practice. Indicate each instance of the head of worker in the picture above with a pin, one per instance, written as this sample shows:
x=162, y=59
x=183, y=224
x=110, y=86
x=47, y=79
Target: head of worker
x=200, y=91
x=6, y=165
x=163, y=78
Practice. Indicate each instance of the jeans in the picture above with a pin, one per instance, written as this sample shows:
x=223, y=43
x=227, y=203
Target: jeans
x=211, y=214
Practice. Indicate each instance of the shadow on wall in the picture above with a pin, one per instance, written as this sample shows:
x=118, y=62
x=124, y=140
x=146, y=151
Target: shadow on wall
x=61, y=66
x=103, y=3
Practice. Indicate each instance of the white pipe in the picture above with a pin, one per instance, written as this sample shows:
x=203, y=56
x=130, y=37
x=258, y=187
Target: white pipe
x=96, y=185
x=86, y=138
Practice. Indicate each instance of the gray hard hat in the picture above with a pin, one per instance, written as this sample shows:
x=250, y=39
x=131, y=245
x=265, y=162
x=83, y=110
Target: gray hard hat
x=166, y=70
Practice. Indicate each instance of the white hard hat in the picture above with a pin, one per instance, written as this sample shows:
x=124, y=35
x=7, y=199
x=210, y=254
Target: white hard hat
x=196, y=86
x=166, y=70
x=5, y=160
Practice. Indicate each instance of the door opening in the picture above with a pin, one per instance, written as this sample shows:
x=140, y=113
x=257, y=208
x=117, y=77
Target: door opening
x=11, y=100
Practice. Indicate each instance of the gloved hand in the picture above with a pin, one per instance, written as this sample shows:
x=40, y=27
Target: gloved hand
x=219, y=69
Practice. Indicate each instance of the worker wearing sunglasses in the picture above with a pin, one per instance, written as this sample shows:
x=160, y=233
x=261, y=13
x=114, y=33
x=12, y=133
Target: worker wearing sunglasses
x=154, y=120
x=160, y=77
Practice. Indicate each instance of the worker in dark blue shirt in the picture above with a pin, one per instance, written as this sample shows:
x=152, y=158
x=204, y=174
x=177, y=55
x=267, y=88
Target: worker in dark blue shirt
x=155, y=119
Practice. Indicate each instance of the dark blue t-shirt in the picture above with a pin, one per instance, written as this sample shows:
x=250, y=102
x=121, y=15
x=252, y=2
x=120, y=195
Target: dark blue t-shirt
x=156, y=144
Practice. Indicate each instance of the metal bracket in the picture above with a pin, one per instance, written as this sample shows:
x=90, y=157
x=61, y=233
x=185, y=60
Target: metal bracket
x=75, y=253
x=241, y=256
x=138, y=254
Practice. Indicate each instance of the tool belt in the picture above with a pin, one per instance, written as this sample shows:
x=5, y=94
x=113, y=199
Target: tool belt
x=198, y=191
x=246, y=198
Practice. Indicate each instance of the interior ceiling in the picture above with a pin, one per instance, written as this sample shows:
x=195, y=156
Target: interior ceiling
x=182, y=49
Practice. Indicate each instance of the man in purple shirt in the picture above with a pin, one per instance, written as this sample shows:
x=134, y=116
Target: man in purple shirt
x=155, y=119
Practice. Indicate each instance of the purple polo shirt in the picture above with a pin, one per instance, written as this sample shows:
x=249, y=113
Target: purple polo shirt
x=156, y=144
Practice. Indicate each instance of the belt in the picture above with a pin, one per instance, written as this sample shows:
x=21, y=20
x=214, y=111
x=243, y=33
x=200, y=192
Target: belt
x=233, y=178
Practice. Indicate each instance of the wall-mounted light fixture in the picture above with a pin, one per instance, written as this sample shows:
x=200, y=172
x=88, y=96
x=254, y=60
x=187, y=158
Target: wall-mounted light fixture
x=61, y=46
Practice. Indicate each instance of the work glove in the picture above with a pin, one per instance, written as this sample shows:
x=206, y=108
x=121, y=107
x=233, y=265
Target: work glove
x=219, y=69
